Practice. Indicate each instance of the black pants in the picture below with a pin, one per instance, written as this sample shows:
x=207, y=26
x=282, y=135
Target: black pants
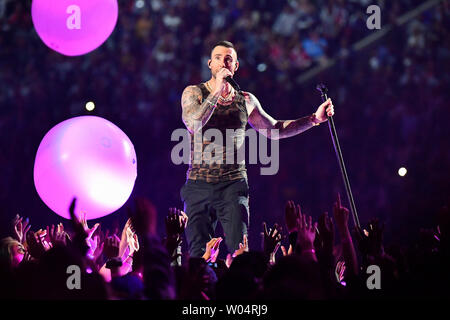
x=206, y=203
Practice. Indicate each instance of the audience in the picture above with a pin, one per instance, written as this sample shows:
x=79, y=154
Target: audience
x=313, y=268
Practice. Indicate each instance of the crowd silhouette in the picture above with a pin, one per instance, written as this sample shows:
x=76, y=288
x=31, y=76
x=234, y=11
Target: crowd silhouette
x=137, y=264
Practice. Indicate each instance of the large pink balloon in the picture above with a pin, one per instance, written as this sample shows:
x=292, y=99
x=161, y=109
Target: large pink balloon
x=88, y=158
x=74, y=27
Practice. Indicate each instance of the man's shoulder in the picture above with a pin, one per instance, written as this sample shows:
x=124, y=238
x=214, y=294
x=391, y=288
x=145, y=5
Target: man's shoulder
x=251, y=102
x=194, y=88
x=191, y=94
x=249, y=97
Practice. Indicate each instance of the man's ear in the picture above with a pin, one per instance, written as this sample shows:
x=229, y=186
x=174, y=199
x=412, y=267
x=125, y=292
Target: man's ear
x=209, y=63
x=237, y=66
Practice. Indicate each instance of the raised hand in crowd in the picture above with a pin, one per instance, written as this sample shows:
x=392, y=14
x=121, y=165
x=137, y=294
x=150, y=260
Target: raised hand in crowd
x=129, y=242
x=324, y=240
x=111, y=247
x=21, y=227
x=35, y=245
x=80, y=233
x=92, y=241
x=340, y=271
x=341, y=215
x=96, y=248
x=271, y=242
x=43, y=236
x=212, y=250
x=291, y=214
x=102, y=235
x=158, y=276
x=57, y=236
x=370, y=241
x=243, y=247
x=287, y=252
x=132, y=239
x=143, y=217
x=176, y=221
x=306, y=235
x=228, y=260
x=113, y=263
x=324, y=246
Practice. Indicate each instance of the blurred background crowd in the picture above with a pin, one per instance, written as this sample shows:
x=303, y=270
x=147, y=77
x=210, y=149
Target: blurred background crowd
x=389, y=100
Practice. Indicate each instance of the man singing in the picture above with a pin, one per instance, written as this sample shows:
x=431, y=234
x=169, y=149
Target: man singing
x=217, y=190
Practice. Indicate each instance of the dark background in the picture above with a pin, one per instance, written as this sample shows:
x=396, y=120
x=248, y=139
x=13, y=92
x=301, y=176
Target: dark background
x=390, y=98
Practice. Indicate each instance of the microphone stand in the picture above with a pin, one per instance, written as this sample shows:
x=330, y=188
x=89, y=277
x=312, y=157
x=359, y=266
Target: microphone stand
x=323, y=90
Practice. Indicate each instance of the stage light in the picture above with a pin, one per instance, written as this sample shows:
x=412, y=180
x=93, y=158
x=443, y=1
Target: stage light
x=139, y=4
x=90, y=106
x=402, y=171
x=262, y=67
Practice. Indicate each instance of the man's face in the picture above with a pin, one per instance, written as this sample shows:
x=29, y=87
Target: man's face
x=223, y=57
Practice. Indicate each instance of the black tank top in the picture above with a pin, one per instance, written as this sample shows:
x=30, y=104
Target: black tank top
x=201, y=166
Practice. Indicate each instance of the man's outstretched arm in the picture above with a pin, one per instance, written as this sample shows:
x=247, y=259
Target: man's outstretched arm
x=259, y=119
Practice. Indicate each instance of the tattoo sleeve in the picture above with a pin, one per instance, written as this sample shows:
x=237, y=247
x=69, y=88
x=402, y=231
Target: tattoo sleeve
x=259, y=119
x=289, y=128
x=196, y=113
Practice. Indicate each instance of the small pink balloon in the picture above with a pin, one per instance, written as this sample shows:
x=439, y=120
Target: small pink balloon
x=89, y=158
x=74, y=27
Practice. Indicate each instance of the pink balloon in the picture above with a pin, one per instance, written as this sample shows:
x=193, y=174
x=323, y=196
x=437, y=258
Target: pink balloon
x=74, y=27
x=89, y=158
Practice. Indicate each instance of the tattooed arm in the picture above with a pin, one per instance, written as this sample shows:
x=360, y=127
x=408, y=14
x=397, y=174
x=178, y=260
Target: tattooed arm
x=259, y=119
x=196, y=112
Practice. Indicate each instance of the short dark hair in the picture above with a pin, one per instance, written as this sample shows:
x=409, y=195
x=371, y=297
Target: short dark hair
x=223, y=43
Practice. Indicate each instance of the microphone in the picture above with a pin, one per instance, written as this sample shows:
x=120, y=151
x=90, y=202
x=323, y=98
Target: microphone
x=233, y=83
